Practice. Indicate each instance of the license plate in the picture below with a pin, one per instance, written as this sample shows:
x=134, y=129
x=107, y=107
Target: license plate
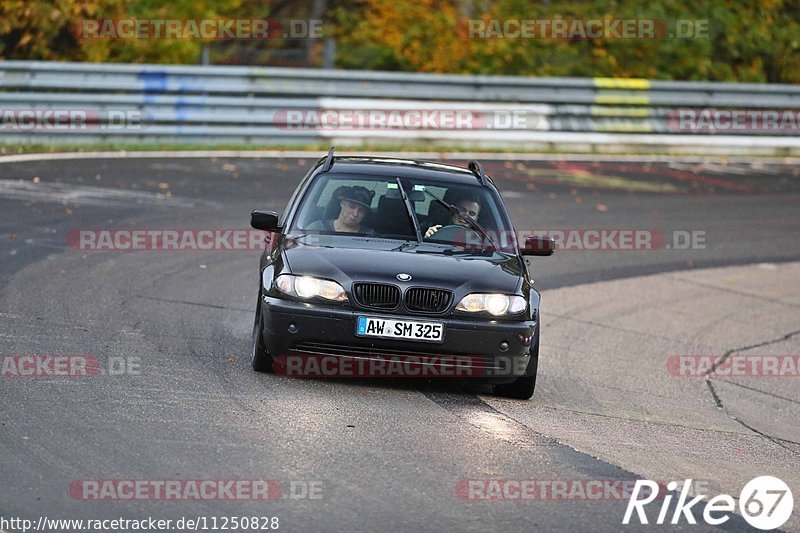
x=388, y=328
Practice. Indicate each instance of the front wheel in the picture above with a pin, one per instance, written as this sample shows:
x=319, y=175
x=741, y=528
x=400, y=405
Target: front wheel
x=522, y=388
x=259, y=357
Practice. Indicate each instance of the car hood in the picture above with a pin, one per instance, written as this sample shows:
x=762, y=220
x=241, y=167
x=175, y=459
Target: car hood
x=459, y=273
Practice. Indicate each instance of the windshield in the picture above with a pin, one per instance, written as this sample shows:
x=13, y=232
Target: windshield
x=460, y=215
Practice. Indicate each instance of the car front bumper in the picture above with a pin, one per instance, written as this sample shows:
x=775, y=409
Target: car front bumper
x=472, y=347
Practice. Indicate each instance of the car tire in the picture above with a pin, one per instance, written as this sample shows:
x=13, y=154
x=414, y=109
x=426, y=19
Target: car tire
x=259, y=357
x=522, y=388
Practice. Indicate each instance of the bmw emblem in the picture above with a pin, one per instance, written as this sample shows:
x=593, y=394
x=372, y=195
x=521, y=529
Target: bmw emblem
x=404, y=277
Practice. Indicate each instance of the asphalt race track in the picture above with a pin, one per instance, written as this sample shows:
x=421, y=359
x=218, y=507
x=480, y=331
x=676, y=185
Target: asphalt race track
x=369, y=455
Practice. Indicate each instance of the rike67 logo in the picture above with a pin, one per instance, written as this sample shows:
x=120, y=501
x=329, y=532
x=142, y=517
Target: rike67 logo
x=765, y=502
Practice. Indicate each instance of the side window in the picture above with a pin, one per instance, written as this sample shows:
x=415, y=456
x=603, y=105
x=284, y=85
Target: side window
x=293, y=198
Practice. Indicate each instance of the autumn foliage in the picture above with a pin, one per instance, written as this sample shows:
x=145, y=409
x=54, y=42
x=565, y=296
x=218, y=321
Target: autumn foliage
x=747, y=40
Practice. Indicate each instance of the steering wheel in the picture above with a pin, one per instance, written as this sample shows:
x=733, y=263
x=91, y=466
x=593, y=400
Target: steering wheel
x=460, y=235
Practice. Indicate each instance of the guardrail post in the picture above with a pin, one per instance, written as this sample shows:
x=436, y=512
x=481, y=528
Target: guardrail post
x=329, y=57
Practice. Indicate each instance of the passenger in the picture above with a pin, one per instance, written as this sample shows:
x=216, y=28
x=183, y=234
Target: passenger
x=467, y=203
x=355, y=204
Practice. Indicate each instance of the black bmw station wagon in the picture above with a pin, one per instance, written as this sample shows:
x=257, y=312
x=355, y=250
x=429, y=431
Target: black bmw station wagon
x=379, y=258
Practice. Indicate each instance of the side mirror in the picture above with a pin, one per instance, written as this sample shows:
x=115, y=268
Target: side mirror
x=537, y=245
x=264, y=220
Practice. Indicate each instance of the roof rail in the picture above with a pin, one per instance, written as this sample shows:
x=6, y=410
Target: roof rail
x=476, y=168
x=326, y=166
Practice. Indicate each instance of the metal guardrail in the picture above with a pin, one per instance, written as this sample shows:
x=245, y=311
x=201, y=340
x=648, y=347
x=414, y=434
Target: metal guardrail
x=243, y=105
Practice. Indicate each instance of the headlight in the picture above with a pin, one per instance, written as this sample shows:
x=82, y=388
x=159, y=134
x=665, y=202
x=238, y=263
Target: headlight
x=495, y=304
x=307, y=287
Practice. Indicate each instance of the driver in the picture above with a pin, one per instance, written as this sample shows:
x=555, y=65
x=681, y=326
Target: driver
x=355, y=204
x=467, y=203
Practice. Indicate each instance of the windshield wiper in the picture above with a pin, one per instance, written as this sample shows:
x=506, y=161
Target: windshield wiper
x=484, y=252
x=405, y=245
x=410, y=210
x=299, y=238
x=471, y=221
